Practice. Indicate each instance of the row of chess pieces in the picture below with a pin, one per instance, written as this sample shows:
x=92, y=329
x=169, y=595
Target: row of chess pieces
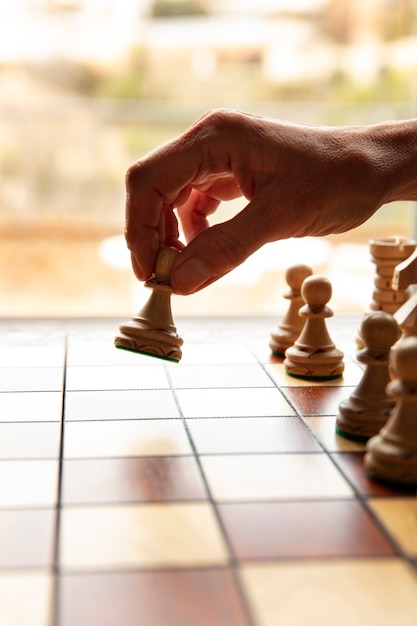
x=382, y=410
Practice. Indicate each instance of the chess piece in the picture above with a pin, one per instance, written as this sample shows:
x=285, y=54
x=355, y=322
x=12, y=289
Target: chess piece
x=392, y=454
x=389, y=295
x=313, y=354
x=365, y=412
x=387, y=254
x=292, y=323
x=152, y=330
x=405, y=274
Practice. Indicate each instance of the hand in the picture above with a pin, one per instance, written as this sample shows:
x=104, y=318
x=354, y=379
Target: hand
x=299, y=181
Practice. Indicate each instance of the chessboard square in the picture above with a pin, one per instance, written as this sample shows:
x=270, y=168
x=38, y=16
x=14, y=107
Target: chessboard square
x=221, y=376
x=352, y=374
x=31, y=407
x=30, y=441
x=251, y=434
x=120, y=405
x=324, y=427
x=31, y=379
x=116, y=378
x=147, y=535
x=27, y=538
x=273, y=476
x=28, y=483
x=320, y=400
x=25, y=598
x=351, y=465
x=153, y=479
x=335, y=528
x=31, y=356
x=217, y=354
x=399, y=517
x=248, y=402
x=128, y=438
x=104, y=353
x=185, y=597
x=350, y=592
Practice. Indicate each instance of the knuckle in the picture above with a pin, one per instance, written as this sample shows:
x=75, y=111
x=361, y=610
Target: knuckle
x=133, y=174
x=217, y=119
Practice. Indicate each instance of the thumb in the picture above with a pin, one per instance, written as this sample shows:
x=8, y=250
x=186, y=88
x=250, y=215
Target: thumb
x=213, y=253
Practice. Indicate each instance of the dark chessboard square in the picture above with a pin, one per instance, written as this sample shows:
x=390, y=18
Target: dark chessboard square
x=153, y=479
x=27, y=538
x=207, y=597
x=307, y=529
x=31, y=407
x=120, y=405
x=317, y=400
x=31, y=379
x=351, y=465
x=251, y=434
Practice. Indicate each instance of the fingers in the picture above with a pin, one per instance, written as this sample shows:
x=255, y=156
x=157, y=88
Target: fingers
x=216, y=251
x=154, y=187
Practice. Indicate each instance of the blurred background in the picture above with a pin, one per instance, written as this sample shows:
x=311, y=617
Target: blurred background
x=89, y=86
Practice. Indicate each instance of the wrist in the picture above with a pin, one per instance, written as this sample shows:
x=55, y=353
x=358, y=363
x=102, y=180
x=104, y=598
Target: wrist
x=393, y=150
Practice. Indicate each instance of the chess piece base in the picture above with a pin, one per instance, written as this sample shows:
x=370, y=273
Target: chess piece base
x=361, y=424
x=384, y=460
x=138, y=336
x=322, y=366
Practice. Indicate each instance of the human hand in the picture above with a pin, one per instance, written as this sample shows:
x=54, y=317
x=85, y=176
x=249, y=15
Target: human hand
x=299, y=181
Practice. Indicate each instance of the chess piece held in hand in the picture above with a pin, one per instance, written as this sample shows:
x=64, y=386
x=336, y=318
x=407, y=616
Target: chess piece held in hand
x=152, y=330
x=392, y=454
x=314, y=355
x=292, y=323
x=368, y=408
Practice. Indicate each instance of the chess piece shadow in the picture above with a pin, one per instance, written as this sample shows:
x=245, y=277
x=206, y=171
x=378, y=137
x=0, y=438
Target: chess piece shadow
x=152, y=330
x=365, y=412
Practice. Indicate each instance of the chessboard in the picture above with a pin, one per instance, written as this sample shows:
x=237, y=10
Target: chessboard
x=210, y=492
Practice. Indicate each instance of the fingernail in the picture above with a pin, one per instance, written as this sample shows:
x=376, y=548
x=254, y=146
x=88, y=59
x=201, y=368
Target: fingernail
x=191, y=275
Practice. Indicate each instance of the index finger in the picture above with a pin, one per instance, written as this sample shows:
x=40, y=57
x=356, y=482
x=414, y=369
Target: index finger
x=154, y=186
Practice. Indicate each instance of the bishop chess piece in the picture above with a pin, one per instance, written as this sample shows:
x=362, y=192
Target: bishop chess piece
x=392, y=454
x=314, y=355
x=292, y=323
x=365, y=412
x=152, y=330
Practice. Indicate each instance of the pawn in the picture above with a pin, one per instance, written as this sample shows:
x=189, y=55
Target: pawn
x=152, y=330
x=392, y=454
x=363, y=414
x=292, y=324
x=314, y=355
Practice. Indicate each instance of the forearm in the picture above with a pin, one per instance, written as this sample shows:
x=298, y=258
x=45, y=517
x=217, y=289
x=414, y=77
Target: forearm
x=393, y=148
